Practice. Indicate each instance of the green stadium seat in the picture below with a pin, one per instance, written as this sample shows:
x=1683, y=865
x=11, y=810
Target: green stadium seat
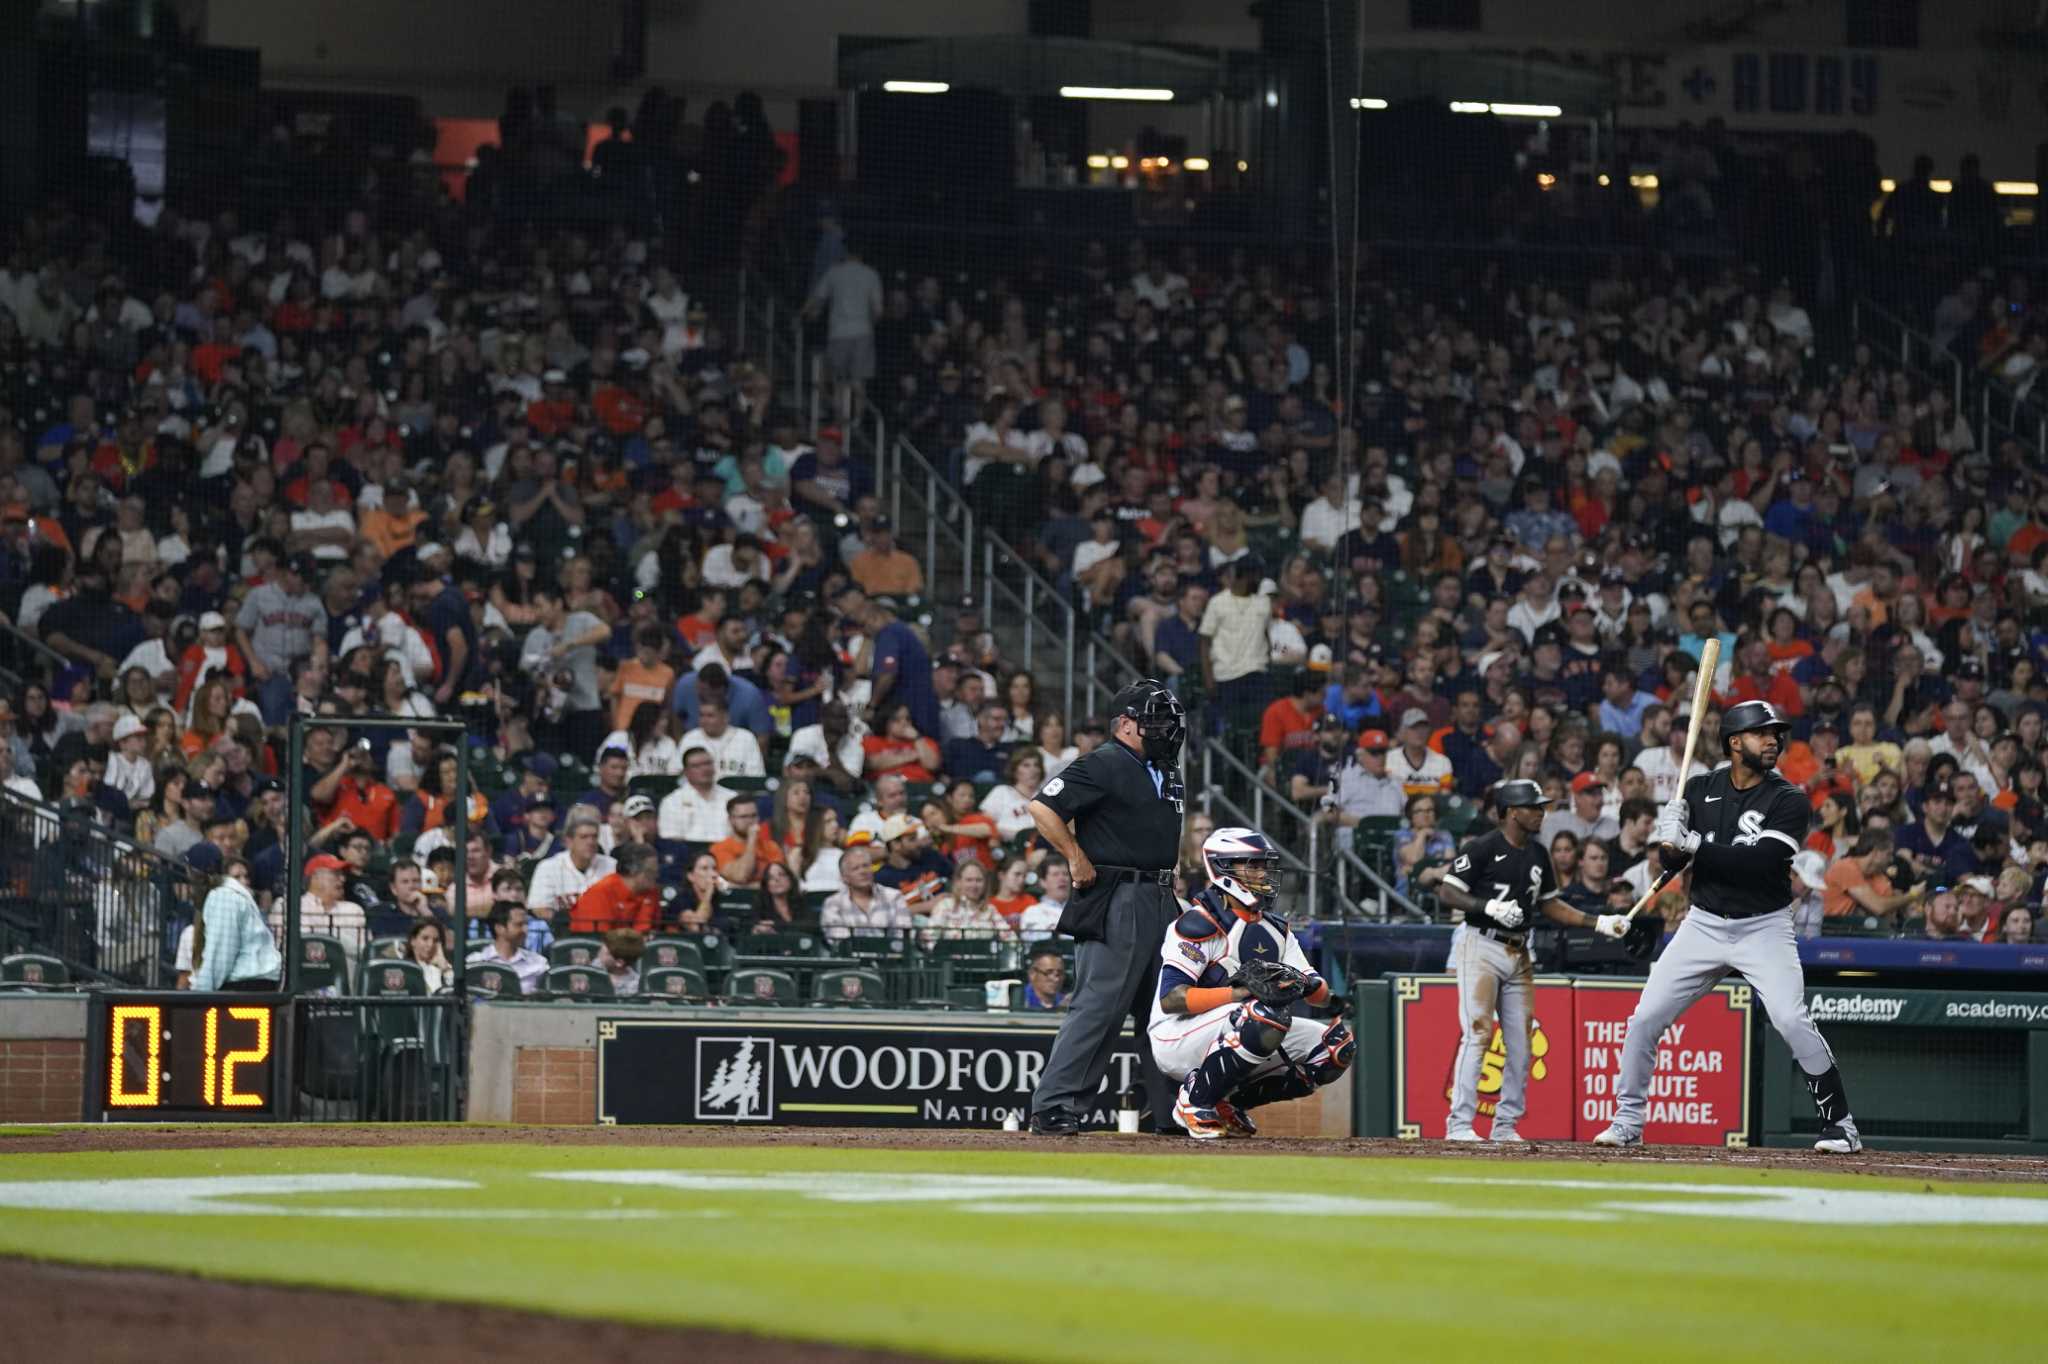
x=574, y=951
x=760, y=985
x=34, y=969
x=492, y=978
x=654, y=786
x=380, y=948
x=323, y=963
x=666, y=950
x=873, y=946
x=579, y=984
x=747, y=786
x=966, y=997
x=777, y=944
x=733, y=904
x=859, y=988
x=674, y=982
x=390, y=976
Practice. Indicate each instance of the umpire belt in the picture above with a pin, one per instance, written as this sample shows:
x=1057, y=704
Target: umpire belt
x=1116, y=876
x=1502, y=935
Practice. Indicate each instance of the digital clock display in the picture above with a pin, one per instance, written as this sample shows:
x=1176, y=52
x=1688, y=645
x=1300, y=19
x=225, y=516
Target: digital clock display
x=204, y=1057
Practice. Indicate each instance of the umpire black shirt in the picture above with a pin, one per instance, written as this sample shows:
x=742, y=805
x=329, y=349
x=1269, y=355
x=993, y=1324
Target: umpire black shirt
x=1125, y=812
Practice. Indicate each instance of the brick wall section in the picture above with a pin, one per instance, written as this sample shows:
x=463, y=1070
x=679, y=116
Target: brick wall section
x=42, y=1081
x=555, y=1085
x=1325, y=1113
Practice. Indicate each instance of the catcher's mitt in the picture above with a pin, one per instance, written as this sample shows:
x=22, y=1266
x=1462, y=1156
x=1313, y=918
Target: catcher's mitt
x=1645, y=931
x=1272, y=982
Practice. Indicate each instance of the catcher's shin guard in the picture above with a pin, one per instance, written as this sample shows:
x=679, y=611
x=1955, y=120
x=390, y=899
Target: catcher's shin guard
x=1333, y=1053
x=1255, y=1032
x=1278, y=1087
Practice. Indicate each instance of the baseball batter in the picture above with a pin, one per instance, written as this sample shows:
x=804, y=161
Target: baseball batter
x=1230, y=971
x=1739, y=827
x=1502, y=880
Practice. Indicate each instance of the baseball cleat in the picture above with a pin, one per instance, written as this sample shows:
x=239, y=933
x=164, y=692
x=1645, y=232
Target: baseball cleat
x=1238, y=1122
x=1505, y=1134
x=1203, y=1124
x=1055, y=1124
x=1839, y=1138
x=1617, y=1135
x=1462, y=1134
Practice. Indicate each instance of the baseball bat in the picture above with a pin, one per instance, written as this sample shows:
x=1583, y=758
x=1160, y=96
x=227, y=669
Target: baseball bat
x=1702, y=690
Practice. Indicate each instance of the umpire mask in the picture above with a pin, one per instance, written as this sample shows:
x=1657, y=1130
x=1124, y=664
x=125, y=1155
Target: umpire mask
x=1162, y=720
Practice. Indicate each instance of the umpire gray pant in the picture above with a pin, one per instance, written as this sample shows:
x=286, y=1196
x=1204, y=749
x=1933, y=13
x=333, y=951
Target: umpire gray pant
x=1114, y=979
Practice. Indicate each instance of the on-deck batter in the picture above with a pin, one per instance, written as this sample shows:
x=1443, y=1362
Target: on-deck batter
x=1739, y=827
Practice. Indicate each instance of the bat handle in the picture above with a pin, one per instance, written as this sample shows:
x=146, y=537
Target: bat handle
x=1664, y=879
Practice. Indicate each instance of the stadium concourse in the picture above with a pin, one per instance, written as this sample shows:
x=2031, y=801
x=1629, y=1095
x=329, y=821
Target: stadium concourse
x=400, y=462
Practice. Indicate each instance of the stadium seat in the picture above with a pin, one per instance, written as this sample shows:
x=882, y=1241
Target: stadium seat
x=674, y=982
x=380, y=948
x=323, y=963
x=859, y=988
x=580, y=984
x=777, y=944
x=390, y=976
x=34, y=969
x=746, y=786
x=733, y=904
x=669, y=951
x=760, y=985
x=654, y=786
x=492, y=978
x=574, y=951
x=872, y=946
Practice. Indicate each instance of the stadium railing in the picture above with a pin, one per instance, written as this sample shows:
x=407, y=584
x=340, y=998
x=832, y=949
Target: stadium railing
x=1996, y=409
x=108, y=907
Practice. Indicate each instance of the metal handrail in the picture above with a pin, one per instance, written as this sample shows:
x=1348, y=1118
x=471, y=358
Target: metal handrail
x=1874, y=324
x=1347, y=859
x=13, y=632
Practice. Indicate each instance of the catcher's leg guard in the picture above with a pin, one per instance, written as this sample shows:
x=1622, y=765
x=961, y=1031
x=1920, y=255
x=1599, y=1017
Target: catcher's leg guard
x=1253, y=1035
x=1317, y=1053
x=1332, y=1055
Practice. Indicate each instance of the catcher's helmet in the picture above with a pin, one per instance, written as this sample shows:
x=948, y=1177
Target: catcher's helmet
x=1520, y=792
x=1244, y=865
x=1750, y=715
x=1162, y=720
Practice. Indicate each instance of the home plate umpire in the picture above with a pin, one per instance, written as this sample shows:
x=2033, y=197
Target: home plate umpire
x=1124, y=802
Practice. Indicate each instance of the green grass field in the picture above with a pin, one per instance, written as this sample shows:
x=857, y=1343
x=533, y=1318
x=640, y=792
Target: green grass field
x=1076, y=1254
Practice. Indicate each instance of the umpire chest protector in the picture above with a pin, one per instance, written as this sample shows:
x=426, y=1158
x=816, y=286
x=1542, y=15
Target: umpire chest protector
x=1125, y=812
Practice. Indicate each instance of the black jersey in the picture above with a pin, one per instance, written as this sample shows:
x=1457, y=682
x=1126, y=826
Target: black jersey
x=1492, y=868
x=1772, y=816
x=1125, y=812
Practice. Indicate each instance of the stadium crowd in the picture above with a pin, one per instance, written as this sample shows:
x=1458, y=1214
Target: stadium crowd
x=251, y=470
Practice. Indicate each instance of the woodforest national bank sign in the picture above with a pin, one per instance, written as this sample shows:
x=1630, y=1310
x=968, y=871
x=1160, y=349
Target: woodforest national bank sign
x=839, y=1073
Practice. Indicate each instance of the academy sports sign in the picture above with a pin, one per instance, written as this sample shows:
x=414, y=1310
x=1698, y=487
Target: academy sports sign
x=834, y=1074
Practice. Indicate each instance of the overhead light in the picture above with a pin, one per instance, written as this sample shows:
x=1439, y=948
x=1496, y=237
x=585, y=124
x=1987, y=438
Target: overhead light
x=1113, y=92
x=1642, y=182
x=1272, y=99
x=1545, y=180
x=1527, y=110
x=1466, y=106
x=2026, y=187
x=1244, y=166
x=916, y=87
x=1368, y=102
x=1941, y=186
x=1098, y=162
x=1604, y=182
x=1888, y=186
x=1196, y=163
x=1120, y=162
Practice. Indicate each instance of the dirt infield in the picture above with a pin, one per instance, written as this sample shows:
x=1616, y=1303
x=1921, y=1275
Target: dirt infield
x=117, y=1316
x=2007, y=1169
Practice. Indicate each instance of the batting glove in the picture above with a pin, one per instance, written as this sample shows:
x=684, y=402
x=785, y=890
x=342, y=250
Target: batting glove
x=1611, y=925
x=1671, y=825
x=1506, y=913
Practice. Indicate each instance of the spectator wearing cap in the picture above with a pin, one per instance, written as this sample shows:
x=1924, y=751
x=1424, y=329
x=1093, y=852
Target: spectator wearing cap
x=210, y=654
x=128, y=768
x=1314, y=770
x=1583, y=817
x=532, y=837
x=882, y=568
x=367, y=803
x=1420, y=769
x=824, y=483
x=610, y=777
x=178, y=837
x=322, y=909
x=1932, y=843
x=282, y=621
x=910, y=865
x=1973, y=909
x=1363, y=788
x=1289, y=724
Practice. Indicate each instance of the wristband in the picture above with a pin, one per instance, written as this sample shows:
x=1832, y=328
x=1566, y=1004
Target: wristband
x=1203, y=998
x=1320, y=994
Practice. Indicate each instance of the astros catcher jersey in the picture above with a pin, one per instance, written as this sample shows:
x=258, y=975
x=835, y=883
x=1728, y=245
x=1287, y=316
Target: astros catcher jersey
x=1207, y=942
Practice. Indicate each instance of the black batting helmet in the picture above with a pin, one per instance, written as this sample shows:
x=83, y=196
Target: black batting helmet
x=1512, y=794
x=1750, y=715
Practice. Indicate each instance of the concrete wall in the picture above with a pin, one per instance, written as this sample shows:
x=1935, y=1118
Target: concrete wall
x=42, y=1058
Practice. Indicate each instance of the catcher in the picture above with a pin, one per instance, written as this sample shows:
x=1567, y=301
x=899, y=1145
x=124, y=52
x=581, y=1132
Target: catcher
x=1502, y=881
x=1230, y=973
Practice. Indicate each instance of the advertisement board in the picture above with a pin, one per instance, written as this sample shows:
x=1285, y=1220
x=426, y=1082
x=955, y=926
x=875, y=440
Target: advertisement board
x=1698, y=1097
x=839, y=1073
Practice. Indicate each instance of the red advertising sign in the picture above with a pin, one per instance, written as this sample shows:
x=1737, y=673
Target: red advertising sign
x=1426, y=1049
x=1699, y=1096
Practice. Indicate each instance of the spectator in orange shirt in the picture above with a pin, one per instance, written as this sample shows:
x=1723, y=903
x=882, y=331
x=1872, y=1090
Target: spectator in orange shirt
x=643, y=677
x=882, y=569
x=393, y=524
x=699, y=626
x=1757, y=680
x=627, y=898
x=746, y=853
x=966, y=830
x=1857, y=884
x=899, y=748
x=1289, y=724
x=369, y=804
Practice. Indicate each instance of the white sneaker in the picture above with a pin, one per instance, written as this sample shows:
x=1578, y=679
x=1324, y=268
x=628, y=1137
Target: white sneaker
x=1462, y=1134
x=1617, y=1135
x=1839, y=1139
x=1505, y=1134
